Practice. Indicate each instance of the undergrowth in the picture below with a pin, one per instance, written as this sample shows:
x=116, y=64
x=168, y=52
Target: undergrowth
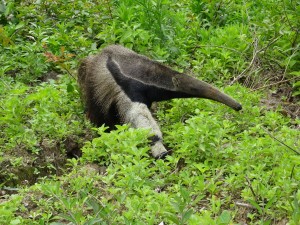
x=225, y=167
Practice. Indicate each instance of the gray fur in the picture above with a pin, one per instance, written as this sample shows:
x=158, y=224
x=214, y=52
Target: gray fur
x=119, y=85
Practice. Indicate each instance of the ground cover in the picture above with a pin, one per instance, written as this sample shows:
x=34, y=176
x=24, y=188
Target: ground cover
x=226, y=167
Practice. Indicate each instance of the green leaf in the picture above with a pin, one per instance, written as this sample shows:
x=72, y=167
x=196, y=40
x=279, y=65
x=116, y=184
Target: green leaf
x=269, y=204
x=172, y=217
x=186, y=215
x=267, y=222
x=70, y=88
x=15, y=221
x=254, y=203
x=94, y=204
x=224, y=218
x=20, y=25
x=68, y=218
x=296, y=93
x=93, y=221
x=296, y=84
x=185, y=194
x=296, y=73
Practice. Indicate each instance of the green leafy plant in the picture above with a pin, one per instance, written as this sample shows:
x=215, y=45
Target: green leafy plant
x=225, y=167
x=181, y=207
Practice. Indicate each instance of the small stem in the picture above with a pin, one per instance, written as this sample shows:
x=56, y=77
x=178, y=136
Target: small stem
x=269, y=85
x=251, y=189
x=291, y=176
x=109, y=9
x=67, y=70
x=255, y=52
x=281, y=142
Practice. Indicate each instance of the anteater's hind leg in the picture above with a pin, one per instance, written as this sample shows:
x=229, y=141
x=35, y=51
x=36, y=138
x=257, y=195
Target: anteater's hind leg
x=139, y=116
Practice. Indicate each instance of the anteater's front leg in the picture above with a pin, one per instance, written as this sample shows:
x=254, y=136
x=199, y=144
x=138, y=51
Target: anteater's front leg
x=139, y=116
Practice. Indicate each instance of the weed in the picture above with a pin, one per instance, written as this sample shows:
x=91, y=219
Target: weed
x=225, y=167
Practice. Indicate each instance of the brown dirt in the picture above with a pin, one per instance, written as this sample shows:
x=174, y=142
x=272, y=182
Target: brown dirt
x=282, y=100
x=50, y=160
x=49, y=75
x=43, y=78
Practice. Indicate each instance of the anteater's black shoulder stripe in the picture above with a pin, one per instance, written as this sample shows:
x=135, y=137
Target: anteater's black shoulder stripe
x=116, y=72
x=138, y=91
x=133, y=88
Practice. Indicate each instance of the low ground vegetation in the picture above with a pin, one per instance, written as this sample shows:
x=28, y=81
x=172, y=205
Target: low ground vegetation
x=226, y=167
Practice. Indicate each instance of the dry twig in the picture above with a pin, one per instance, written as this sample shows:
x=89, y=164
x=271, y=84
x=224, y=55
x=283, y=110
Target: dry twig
x=269, y=85
x=281, y=142
x=256, y=51
x=254, y=57
x=244, y=205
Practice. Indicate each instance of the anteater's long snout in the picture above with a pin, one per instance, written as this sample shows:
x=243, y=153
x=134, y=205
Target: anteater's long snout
x=201, y=89
x=215, y=94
